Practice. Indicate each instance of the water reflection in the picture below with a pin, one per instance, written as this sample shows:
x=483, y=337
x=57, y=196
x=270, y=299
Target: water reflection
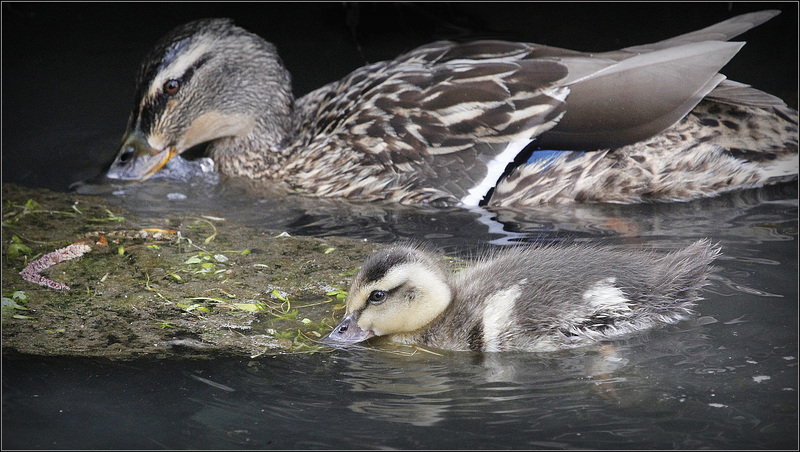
x=693, y=218
x=418, y=395
x=457, y=230
x=725, y=379
x=405, y=385
x=700, y=383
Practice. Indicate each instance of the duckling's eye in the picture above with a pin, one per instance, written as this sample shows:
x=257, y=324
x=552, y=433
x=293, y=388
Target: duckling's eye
x=377, y=297
x=172, y=86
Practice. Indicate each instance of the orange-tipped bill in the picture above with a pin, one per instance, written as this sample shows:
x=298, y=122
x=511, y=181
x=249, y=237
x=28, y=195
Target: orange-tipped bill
x=137, y=160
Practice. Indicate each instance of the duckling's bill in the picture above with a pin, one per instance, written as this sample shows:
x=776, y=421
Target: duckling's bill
x=348, y=331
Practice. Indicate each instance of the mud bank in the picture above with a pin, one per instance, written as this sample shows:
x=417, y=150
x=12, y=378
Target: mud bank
x=191, y=285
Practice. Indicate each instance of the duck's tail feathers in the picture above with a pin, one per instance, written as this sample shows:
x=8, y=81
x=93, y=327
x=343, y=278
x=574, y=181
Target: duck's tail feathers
x=735, y=93
x=723, y=31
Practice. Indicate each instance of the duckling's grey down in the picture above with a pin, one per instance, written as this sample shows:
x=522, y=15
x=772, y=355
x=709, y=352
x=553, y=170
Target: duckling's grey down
x=541, y=298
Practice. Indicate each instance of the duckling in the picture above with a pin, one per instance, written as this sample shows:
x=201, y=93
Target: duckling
x=478, y=123
x=539, y=298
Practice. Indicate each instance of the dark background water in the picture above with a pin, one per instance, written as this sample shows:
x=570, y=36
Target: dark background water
x=727, y=379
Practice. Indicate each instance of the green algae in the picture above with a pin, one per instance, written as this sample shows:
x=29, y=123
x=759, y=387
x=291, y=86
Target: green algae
x=213, y=287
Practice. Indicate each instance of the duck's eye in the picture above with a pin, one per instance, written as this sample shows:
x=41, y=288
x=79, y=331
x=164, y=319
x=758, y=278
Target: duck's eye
x=172, y=86
x=377, y=297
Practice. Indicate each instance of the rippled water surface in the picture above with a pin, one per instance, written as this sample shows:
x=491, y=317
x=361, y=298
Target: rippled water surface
x=727, y=378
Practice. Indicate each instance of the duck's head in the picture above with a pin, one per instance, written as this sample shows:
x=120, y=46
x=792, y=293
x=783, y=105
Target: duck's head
x=205, y=81
x=398, y=290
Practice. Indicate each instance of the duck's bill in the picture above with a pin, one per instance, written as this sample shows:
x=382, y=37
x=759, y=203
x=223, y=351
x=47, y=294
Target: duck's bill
x=137, y=160
x=348, y=332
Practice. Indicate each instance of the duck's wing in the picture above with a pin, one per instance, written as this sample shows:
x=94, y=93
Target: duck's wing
x=648, y=88
x=633, y=99
x=446, y=115
x=451, y=117
x=735, y=93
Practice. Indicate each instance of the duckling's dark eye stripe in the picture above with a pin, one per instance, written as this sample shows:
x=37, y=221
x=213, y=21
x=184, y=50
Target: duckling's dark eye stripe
x=154, y=107
x=377, y=270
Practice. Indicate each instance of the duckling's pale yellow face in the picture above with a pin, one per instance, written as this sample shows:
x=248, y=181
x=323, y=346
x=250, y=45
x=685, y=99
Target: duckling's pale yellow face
x=396, y=291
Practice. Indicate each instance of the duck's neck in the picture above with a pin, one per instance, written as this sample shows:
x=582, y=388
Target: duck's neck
x=263, y=149
x=260, y=154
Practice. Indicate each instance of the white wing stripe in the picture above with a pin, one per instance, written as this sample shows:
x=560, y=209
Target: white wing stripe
x=494, y=169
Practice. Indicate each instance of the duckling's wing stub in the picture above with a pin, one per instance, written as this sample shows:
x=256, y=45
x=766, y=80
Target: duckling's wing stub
x=582, y=294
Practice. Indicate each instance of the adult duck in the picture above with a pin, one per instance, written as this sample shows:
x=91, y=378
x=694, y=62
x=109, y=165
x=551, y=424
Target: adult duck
x=487, y=122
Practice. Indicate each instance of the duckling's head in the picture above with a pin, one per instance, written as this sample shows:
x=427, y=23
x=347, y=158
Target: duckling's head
x=398, y=290
x=204, y=81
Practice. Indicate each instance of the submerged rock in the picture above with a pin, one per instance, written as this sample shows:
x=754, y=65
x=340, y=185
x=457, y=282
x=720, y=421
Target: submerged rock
x=176, y=286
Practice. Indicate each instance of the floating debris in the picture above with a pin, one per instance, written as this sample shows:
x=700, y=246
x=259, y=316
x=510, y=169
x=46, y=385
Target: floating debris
x=31, y=272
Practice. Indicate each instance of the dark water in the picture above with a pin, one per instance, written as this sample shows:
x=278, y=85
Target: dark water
x=727, y=379
x=679, y=390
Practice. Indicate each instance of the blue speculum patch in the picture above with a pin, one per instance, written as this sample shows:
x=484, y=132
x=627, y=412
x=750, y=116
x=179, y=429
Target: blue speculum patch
x=548, y=155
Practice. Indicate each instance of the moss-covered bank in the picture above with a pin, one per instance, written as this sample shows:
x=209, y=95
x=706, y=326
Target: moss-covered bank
x=210, y=287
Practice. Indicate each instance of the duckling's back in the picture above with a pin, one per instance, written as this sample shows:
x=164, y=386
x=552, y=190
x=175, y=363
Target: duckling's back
x=548, y=298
